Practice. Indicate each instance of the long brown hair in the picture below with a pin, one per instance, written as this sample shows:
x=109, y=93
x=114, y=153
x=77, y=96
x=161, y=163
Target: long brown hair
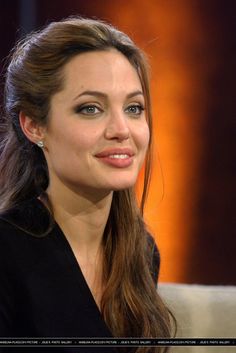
x=130, y=304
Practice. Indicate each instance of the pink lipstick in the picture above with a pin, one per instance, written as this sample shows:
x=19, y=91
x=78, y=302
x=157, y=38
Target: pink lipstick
x=116, y=157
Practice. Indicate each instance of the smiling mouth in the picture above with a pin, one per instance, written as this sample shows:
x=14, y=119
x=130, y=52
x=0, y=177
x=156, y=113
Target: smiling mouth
x=116, y=160
x=115, y=152
x=116, y=156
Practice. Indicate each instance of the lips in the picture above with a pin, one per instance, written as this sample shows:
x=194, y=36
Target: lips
x=116, y=152
x=116, y=157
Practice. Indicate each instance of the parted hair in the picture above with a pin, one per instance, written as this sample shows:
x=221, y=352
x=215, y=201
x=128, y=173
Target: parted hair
x=130, y=304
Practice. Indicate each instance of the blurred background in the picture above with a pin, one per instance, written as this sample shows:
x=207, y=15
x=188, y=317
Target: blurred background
x=191, y=46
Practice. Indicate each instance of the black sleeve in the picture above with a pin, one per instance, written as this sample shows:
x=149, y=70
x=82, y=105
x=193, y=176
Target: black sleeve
x=154, y=258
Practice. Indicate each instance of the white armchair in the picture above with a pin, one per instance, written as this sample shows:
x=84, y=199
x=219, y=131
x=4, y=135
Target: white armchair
x=202, y=311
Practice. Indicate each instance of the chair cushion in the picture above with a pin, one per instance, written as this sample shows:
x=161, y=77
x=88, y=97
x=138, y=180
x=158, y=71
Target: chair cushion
x=202, y=311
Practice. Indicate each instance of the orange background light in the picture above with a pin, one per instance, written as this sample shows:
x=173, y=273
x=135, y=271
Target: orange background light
x=191, y=48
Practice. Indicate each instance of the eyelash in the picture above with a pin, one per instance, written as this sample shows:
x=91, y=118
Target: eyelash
x=137, y=106
x=81, y=109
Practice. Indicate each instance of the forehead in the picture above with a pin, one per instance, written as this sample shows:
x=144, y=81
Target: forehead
x=105, y=70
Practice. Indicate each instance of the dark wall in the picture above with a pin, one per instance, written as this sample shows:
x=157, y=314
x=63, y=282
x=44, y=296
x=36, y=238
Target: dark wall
x=214, y=241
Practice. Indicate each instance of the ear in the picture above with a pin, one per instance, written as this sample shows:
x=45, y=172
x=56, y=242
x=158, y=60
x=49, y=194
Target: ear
x=32, y=129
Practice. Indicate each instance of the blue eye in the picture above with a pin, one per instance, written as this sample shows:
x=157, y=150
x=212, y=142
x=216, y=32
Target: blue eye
x=135, y=109
x=88, y=110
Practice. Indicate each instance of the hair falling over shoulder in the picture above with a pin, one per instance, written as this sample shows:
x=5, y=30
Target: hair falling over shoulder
x=131, y=305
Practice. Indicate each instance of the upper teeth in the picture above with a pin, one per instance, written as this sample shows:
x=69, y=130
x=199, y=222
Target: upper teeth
x=122, y=156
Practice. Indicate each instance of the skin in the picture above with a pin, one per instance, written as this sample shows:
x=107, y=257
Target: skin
x=81, y=126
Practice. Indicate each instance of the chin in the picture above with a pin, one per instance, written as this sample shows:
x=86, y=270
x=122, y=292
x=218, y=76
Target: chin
x=122, y=185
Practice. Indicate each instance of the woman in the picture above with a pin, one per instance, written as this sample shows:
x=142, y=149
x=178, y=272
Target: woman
x=76, y=259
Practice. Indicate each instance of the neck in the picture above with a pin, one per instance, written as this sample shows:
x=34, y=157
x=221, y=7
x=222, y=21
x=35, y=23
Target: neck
x=82, y=216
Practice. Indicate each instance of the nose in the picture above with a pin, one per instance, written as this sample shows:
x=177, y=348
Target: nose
x=117, y=127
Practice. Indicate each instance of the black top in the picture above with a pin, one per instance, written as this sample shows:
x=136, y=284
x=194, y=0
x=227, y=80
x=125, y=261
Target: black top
x=43, y=292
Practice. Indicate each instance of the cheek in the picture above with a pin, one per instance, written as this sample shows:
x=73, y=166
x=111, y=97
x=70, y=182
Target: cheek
x=142, y=137
x=86, y=140
x=77, y=139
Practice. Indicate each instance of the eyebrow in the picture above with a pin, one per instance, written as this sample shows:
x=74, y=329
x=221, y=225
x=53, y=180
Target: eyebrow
x=104, y=95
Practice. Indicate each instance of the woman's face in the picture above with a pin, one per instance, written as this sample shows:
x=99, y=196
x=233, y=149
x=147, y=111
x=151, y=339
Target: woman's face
x=97, y=134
